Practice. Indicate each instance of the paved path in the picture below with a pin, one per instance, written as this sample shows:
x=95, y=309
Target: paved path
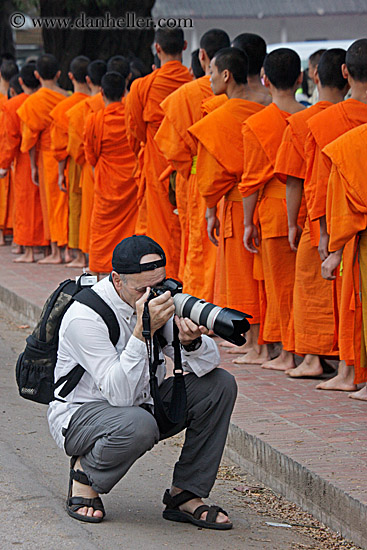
x=309, y=445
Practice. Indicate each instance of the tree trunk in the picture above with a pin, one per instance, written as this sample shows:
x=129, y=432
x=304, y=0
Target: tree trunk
x=66, y=44
x=6, y=33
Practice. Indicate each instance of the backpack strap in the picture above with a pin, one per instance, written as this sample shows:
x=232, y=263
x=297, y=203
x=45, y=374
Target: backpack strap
x=90, y=298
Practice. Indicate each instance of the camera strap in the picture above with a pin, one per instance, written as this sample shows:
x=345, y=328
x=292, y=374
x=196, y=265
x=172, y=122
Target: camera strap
x=167, y=414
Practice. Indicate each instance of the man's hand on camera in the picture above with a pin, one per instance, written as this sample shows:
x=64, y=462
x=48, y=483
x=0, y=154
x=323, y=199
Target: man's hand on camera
x=161, y=310
x=188, y=330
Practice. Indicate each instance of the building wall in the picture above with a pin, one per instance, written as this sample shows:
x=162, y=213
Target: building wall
x=291, y=29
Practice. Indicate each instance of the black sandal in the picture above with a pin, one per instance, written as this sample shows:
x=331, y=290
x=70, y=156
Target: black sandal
x=73, y=504
x=173, y=513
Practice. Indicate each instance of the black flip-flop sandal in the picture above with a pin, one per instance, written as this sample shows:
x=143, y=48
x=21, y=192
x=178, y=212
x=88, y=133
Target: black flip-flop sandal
x=73, y=504
x=173, y=513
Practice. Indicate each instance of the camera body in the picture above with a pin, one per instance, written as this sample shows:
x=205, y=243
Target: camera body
x=229, y=324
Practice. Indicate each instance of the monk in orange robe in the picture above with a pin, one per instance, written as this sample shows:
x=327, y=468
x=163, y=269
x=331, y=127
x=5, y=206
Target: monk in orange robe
x=69, y=171
x=107, y=149
x=262, y=136
x=182, y=109
x=325, y=127
x=7, y=70
x=144, y=116
x=77, y=116
x=219, y=169
x=28, y=225
x=346, y=215
x=36, y=139
x=312, y=297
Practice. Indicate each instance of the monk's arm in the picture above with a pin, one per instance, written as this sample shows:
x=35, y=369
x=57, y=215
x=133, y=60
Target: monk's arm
x=212, y=224
x=88, y=140
x=330, y=264
x=34, y=168
x=61, y=180
x=294, y=199
x=251, y=234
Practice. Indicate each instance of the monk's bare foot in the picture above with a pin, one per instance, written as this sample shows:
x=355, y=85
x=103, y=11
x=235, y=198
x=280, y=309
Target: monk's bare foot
x=226, y=344
x=191, y=505
x=2, y=240
x=361, y=394
x=284, y=362
x=81, y=490
x=309, y=367
x=17, y=249
x=253, y=357
x=67, y=256
x=54, y=257
x=245, y=348
x=343, y=381
x=27, y=257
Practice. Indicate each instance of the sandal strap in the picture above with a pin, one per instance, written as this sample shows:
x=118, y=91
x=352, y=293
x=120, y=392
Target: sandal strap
x=80, y=476
x=173, y=503
x=79, y=502
x=213, y=513
x=200, y=510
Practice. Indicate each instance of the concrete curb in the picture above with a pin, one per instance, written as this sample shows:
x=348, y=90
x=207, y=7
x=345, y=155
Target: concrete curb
x=334, y=507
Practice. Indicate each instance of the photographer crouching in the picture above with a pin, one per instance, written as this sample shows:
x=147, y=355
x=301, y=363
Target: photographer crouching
x=111, y=417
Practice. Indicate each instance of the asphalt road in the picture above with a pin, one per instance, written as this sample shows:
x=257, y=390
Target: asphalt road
x=34, y=479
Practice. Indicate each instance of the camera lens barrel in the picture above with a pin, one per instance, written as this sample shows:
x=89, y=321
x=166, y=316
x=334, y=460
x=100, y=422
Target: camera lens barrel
x=228, y=323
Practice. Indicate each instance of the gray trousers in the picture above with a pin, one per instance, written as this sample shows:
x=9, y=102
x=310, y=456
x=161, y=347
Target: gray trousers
x=110, y=439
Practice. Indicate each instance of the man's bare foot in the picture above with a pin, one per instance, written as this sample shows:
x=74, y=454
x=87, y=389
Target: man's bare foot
x=191, y=505
x=343, y=381
x=361, y=394
x=84, y=491
x=17, y=249
x=310, y=367
x=27, y=257
x=284, y=362
x=253, y=357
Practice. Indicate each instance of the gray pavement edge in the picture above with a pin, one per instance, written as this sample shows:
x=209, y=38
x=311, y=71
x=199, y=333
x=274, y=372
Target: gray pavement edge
x=326, y=502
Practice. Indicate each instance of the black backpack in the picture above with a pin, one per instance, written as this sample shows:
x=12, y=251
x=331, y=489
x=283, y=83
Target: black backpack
x=36, y=364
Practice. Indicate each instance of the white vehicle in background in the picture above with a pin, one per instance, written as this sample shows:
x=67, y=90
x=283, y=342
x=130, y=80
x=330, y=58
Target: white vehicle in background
x=305, y=49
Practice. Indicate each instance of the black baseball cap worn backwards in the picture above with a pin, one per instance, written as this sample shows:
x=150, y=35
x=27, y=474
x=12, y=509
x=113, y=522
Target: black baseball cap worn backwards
x=128, y=253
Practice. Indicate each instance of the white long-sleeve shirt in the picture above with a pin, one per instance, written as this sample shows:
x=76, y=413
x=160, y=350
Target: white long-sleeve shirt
x=119, y=375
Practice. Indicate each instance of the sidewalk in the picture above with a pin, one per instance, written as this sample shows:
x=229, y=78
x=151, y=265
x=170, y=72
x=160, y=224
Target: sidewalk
x=308, y=445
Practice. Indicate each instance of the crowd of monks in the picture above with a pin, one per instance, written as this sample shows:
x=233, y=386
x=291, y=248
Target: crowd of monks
x=257, y=199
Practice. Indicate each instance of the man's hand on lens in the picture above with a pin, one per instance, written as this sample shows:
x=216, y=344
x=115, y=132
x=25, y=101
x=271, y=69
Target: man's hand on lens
x=188, y=330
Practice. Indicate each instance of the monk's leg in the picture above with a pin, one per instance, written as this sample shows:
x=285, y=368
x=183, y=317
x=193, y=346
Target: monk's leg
x=343, y=381
x=2, y=240
x=284, y=361
x=27, y=257
x=16, y=249
x=54, y=257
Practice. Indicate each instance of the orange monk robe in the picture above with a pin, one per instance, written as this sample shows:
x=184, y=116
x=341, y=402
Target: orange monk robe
x=346, y=214
x=144, y=116
x=198, y=255
x=219, y=169
x=59, y=138
x=262, y=136
x=6, y=191
x=28, y=223
x=312, y=296
x=213, y=102
x=114, y=208
x=36, y=131
x=325, y=127
x=77, y=116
